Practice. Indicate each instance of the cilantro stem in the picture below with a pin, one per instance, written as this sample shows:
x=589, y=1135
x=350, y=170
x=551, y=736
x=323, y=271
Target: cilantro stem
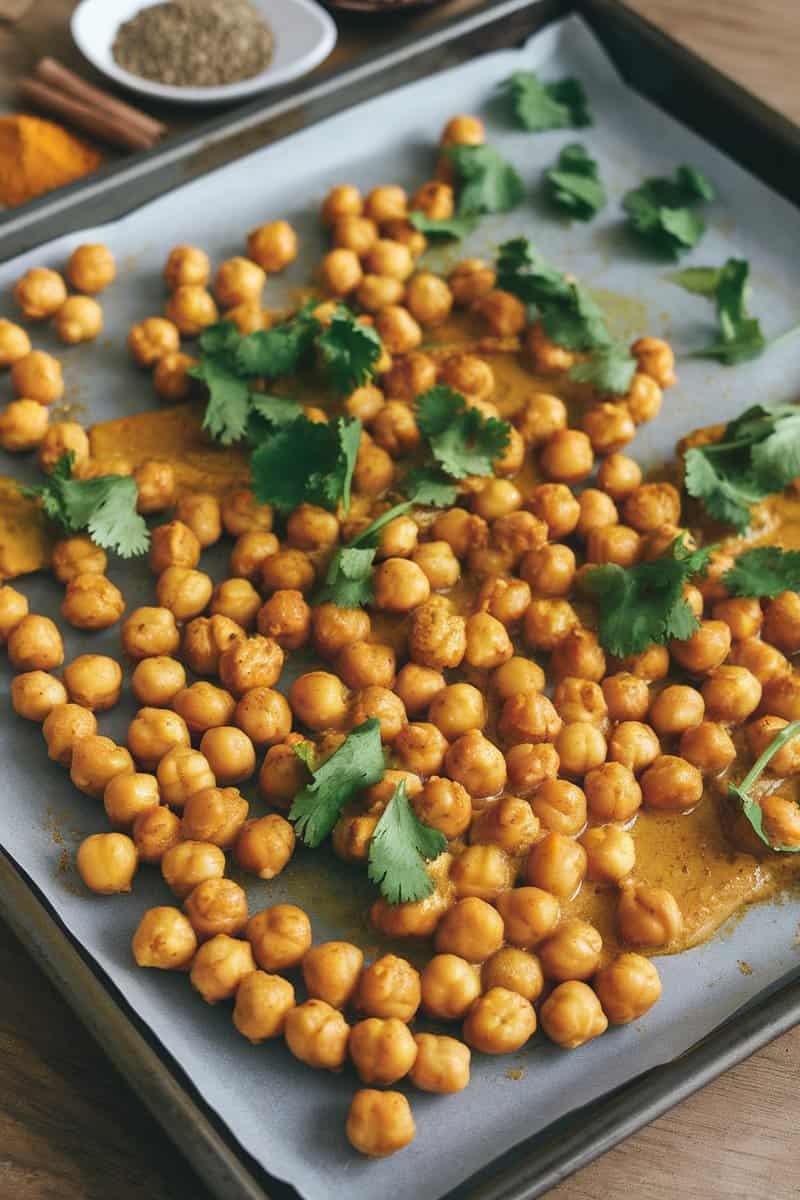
x=751, y=809
x=378, y=524
x=767, y=755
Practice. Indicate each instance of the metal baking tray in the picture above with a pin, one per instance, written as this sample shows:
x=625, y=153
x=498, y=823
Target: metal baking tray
x=724, y=115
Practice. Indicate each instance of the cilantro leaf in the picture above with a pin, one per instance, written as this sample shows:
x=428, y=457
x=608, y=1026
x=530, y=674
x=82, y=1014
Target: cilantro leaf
x=105, y=507
x=569, y=315
x=280, y=350
x=486, y=183
x=701, y=281
x=307, y=461
x=462, y=440
x=349, y=351
x=765, y=571
x=538, y=106
x=609, y=369
x=443, y=227
x=661, y=210
x=355, y=765
x=643, y=604
x=398, y=848
x=268, y=413
x=430, y=487
x=228, y=403
x=574, y=183
x=751, y=808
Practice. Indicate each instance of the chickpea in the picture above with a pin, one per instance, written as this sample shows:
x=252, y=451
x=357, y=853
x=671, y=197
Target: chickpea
x=182, y=772
x=481, y=870
x=262, y=1004
x=126, y=796
x=613, y=544
x=507, y=601
x=732, y=694
x=547, y=621
x=503, y=312
x=379, y=1123
x=264, y=715
x=399, y=331
x=709, y=747
x=470, y=280
x=381, y=704
x=627, y=987
x=579, y=654
x=216, y=905
x=187, y=265
x=34, y=694
x=352, y=835
x=334, y=628
x=220, y=966
x=250, y=662
x=567, y=457
x=319, y=700
x=63, y=726
x=782, y=622
x=280, y=936
x=449, y=986
x=60, y=438
x=781, y=696
x=652, y=664
x=633, y=744
x=184, y=592
x=205, y=639
x=23, y=425
x=468, y=374
x=331, y=972
x=341, y=272
x=281, y=776
x=444, y=805
x=34, y=643
x=610, y=853
x=230, y=753
x=386, y=202
x=428, y=298
x=598, y=511
x=153, y=732
x=151, y=339
x=421, y=748
x=37, y=376
x=761, y=733
x=343, y=200
x=154, y=832
x=366, y=402
x=477, y=764
x=356, y=233
x=529, y=915
x=79, y=319
x=648, y=916
x=441, y=1064
x=13, y=609
x=417, y=687
x=164, y=939
x=571, y=952
x=39, y=293
x=571, y=1015
x=91, y=268
x=239, y=281
x=76, y=556
x=651, y=506
x=400, y=585
x=157, y=681
x=188, y=864
x=389, y=987
x=627, y=696
x=488, y=644
x=238, y=601
x=643, y=399
x=286, y=619
x=530, y=765
x=265, y=845
x=557, y=864
x=273, y=246
x=609, y=427
x=582, y=700
x=310, y=527
x=376, y=292
x=612, y=792
x=96, y=760
x=763, y=660
x=471, y=929
x=155, y=485
x=14, y=343
x=676, y=709
x=92, y=602
x=461, y=530
x=581, y=747
x=382, y=1051
x=437, y=636
x=107, y=863
x=214, y=814
x=781, y=818
x=191, y=309
x=519, y=676
x=619, y=476
x=289, y=569
x=549, y=570
x=458, y=708
x=705, y=650
x=499, y=1022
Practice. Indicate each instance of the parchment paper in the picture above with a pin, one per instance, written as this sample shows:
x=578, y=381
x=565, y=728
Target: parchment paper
x=288, y=1117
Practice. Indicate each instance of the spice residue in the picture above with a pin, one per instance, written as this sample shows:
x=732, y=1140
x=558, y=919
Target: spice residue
x=195, y=43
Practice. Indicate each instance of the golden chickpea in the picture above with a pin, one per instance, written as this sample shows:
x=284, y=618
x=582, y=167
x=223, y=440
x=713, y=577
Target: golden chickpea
x=557, y=864
x=204, y=706
x=499, y=1022
x=499, y=498
x=182, y=772
x=428, y=298
x=91, y=268
x=39, y=293
x=441, y=1065
x=762, y=659
x=289, y=569
x=517, y=676
x=153, y=732
x=34, y=644
x=643, y=399
x=547, y=621
x=190, y=309
x=286, y=618
x=387, y=202
x=655, y=359
x=571, y=1015
x=567, y=456
x=598, y=511
x=215, y=906
x=389, y=987
x=613, y=544
x=155, y=485
x=633, y=744
x=610, y=853
x=581, y=747
x=648, y=916
x=528, y=717
x=342, y=201
x=238, y=281
x=157, y=681
x=529, y=915
x=151, y=339
x=262, y=1004
x=214, y=814
x=549, y=570
x=341, y=271
x=709, y=747
x=14, y=343
x=187, y=266
x=335, y=628
x=477, y=764
x=509, y=824
x=280, y=936
x=366, y=402
x=250, y=662
x=782, y=622
x=626, y=695
x=705, y=650
x=619, y=476
x=154, y=832
x=265, y=845
x=651, y=665
x=230, y=753
x=164, y=939
x=79, y=319
x=458, y=708
x=317, y=1034
x=540, y=418
x=37, y=376
x=399, y=331
x=13, y=608
x=382, y=705
x=732, y=694
x=781, y=820
x=237, y=600
x=107, y=863
x=319, y=700
x=463, y=130
x=382, y=1051
x=173, y=545
x=571, y=952
x=437, y=636
x=781, y=696
x=418, y=687
x=379, y=1123
x=676, y=709
x=23, y=425
x=126, y=796
x=92, y=602
x=171, y=377
x=352, y=835
x=612, y=792
x=420, y=747
x=60, y=438
x=96, y=760
x=507, y=600
x=627, y=987
x=743, y=614
x=251, y=549
x=400, y=585
x=183, y=591
x=63, y=726
x=394, y=429
x=548, y=358
x=471, y=929
x=760, y=733
x=488, y=644
x=264, y=715
x=188, y=864
x=76, y=556
x=481, y=870
x=530, y=765
x=576, y=699
x=356, y=233
x=199, y=512
x=404, y=232
x=331, y=972
x=34, y=694
x=503, y=312
x=376, y=292
x=609, y=427
x=444, y=805
x=449, y=984
x=219, y=966
x=652, y=505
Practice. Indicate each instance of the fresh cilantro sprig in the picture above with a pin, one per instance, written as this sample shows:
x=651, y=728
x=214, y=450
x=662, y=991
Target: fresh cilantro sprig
x=765, y=571
x=309, y=461
x=105, y=507
x=568, y=314
x=430, y=487
x=443, y=227
x=398, y=848
x=538, y=106
x=751, y=808
x=609, y=369
x=758, y=455
x=485, y=182
x=643, y=604
x=574, y=185
x=740, y=335
x=349, y=351
x=348, y=581
x=662, y=211
x=356, y=764
x=462, y=440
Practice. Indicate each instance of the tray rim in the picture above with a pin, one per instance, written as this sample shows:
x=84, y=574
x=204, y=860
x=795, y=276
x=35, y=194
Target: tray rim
x=540, y=1162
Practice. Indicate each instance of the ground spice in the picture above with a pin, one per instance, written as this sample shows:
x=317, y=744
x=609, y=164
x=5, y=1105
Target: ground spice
x=37, y=155
x=195, y=43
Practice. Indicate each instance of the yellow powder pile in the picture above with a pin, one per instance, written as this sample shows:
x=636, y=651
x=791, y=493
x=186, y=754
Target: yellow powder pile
x=37, y=156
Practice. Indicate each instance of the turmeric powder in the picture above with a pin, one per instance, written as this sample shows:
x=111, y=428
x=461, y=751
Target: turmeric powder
x=38, y=155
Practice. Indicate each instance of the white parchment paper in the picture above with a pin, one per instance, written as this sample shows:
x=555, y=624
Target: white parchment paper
x=286, y=1116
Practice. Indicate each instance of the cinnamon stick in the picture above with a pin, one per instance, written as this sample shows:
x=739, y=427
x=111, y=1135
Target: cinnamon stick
x=100, y=125
x=56, y=75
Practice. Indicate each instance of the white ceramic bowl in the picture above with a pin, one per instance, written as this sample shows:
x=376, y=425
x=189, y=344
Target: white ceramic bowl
x=304, y=36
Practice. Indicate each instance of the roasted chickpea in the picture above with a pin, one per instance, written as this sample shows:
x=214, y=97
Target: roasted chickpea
x=153, y=732
x=547, y=621
x=239, y=281
x=610, y=427
x=214, y=814
x=280, y=936
x=264, y=715
x=517, y=676
x=428, y=298
x=331, y=972
x=387, y=202
x=184, y=592
x=230, y=753
x=705, y=650
x=676, y=709
x=319, y=700
x=399, y=332
x=382, y=1051
x=581, y=747
x=92, y=602
x=335, y=628
x=613, y=544
x=37, y=376
x=579, y=654
x=760, y=733
x=164, y=939
x=40, y=293
x=781, y=696
x=107, y=863
x=155, y=485
x=156, y=681
x=352, y=835
x=34, y=644
x=627, y=987
x=400, y=585
x=571, y=952
x=441, y=1064
x=96, y=760
x=417, y=687
x=14, y=343
x=154, y=832
x=627, y=696
x=389, y=987
x=356, y=233
x=557, y=864
x=651, y=506
x=782, y=622
x=471, y=929
x=481, y=870
x=477, y=764
x=91, y=268
x=503, y=312
x=13, y=608
x=200, y=513
x=421, y=748
x=289, y=569
x=576, y=699
x=23, y=425
x=612, y=792
x=506, y=600
x=633, y=744
x=469, y=280
x=529, y=765
x=237, y=600
x=34, y=694
x=381, y=704
x=655, y=359
x=444, y=805
x=499, y=1022
x=219, y=966
x=191, y=309
x=567, y=456
x=457, y=709
x=262, y=1004
x=598, y=511
x=528, y=717
x=310, y=527
x=151, y=339
x=173, y=545
x=648, y=916
x=215, y=906
x=285, y=618
x=79, y=319
x=763, y=660
x=652, y=664
x=63, y=726
x=731, y=694
x=437, y=636
x=549, y=570
x=188, y=864
x=205, y=639
x=250, y=662
x=643, y=399
x=342, y=200
x=610, y=853
x=60, y=438
x=449, y=986
x=76, y=556
x=571, y=1015
x=376, y=292
x=379, y=1123
x=619, y=476
x=265, y=845
x=709, y=747
x=281, y=776
x=340, y=271
x=488, y=644
x=241, y=513
x=126, y=796
x=529, y=915
x=182, y=772
x=187, y=265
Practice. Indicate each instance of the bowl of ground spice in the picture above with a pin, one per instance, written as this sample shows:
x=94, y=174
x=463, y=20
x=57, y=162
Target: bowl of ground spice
x=203, y=51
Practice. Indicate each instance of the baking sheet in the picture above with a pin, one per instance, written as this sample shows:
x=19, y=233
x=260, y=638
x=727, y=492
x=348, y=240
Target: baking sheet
x=288, y=1118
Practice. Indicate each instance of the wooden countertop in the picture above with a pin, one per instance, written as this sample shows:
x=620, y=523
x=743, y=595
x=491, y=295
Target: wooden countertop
x=70, y=1129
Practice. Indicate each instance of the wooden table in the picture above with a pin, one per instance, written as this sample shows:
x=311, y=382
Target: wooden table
x=70, y=1129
